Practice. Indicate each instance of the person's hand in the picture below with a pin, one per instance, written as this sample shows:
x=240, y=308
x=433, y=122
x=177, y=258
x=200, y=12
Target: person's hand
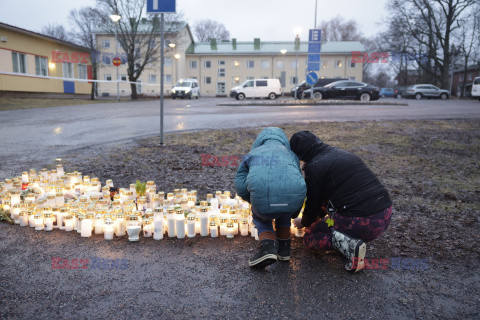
x=297, y=222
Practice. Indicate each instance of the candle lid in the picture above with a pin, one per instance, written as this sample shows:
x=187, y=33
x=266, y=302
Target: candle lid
x=191, y=217
x=147, y=221
x=89, y=216
x=178, y=211
x=108, y=221
x=229, y=225
x=158, y=209
x=203, y=203
x=213, y=223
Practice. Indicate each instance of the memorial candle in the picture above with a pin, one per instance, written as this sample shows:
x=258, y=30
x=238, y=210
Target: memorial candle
x=99, y=223
x=191, y=225
x=120, y=224
x=108, y=226
x=244, y=227
x=213, y=229
x=180, y=223
x=158, y=228
x=147, y=228
x=23, y=218
x=31, y=218
x=68, y=222
x=133, y=228
x=171, y=222
x=15, y=211
x=87, y=226
x=39, y=225
x=48, y=220
x=230, y=230
x=203, y=221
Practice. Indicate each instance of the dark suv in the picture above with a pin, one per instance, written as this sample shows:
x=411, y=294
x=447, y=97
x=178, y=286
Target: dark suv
x=304, y=86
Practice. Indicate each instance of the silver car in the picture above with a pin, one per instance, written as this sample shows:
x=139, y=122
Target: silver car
x=419, y=91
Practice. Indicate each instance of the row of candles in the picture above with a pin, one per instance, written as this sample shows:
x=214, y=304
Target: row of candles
x=52, y=199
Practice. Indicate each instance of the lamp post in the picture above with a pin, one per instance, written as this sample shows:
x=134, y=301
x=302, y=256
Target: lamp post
x=283, y=51
x=177, y=57
x=297, y=32
x=115, y=18
x=172, y=46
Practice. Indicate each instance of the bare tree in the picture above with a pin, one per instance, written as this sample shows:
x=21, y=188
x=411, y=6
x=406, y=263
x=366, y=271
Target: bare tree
x=138, y=35
x=339, y=29
x=207, y=29
x=432, y=23
x=56, y=31
x=85, y=22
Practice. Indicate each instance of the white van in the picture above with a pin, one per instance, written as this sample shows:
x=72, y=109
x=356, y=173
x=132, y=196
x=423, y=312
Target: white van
x=257, y=88
x=186, y=88
x=476, y=88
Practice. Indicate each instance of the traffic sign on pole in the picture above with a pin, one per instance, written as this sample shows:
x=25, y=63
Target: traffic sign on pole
x=162, y=7
x=116, y=61
x=312, y=78
x=159, y=6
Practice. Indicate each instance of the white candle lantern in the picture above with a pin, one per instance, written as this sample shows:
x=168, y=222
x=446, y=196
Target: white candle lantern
x=99, y=223
x=60, y=171
x=171, y=222
x=147, y=228
x=133, y=228
x=39, y=225
x=209, y=198
x=31, y=218
x=59, y=199
x=180, y=224
x=158, y=228
x=191, y=225
x=15, y=198
x=14, y=213
x=109, y=183
x=213, y=229
x=244, y=227
x=120, y=225
x=230, y=232
x=142, y=204
x=23, y=218
x=87, y=226
x=108, y=229
x=204, y=222
x=68, y=222
x=48, y=220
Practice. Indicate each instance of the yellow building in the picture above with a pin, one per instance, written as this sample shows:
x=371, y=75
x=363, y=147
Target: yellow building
x=30, y=62
x=219, y=66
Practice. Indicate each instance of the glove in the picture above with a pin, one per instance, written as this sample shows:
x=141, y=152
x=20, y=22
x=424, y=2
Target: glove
x=298, y=223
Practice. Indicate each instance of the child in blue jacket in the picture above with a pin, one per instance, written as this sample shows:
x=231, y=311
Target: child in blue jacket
x=269, y=178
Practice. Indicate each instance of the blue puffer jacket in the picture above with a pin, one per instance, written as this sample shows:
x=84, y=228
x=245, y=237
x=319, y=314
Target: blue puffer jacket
x=269, y=177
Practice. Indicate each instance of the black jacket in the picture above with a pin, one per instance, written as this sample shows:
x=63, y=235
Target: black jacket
x=337, y=179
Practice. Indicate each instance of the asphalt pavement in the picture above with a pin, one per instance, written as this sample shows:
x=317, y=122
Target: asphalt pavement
x=35, y=137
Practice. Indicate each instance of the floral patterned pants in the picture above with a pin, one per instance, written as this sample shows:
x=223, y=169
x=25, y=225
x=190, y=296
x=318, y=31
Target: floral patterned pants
x=319, y=236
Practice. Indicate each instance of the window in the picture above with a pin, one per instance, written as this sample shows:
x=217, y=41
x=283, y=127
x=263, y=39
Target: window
x=168, y=78
x=293, y=80
x=279, y=64
x=248, y=84
x=351, y=78
x=106, y=43
x=123, y=77
x=107, y=77
x=325, y=64
x=193, y=64
x=207, y=64
x=476, y=81
x=67, y=70
x=470, y=77
x=41, y=66
x=19, y=62
x=207, y=80
x=107, y=60
x=294, y=64
x=265, y=77
x=261, y=83
x=352, y=64
x=167, y=61
x=265, y=64
x=221, y=62
x=250, y=78
x=461, y=76
x=221, y=72
x=82, y=71
x=152, y=78
x=338, y=64
x=250, y=64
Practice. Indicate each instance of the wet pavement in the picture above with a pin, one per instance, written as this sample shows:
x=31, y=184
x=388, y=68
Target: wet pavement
x=36, y=136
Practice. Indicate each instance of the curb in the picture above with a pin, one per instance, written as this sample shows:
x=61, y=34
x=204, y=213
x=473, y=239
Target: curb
x=312, y=103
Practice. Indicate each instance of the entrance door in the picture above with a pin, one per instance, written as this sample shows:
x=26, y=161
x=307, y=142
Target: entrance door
x=221, y=89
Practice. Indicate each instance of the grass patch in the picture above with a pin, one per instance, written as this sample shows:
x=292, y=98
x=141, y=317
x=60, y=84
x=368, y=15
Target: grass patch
x=13, y=103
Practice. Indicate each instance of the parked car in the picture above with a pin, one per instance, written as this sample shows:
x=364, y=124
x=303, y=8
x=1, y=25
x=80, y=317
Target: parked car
x=476, y=88
x=344, y=90
x=399, y=92
x=257, y=88
x=419, y=91
x=186, y=88
x=386, y=92
x=298, y=91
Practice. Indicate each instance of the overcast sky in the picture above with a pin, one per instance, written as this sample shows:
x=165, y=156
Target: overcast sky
x=245, y=19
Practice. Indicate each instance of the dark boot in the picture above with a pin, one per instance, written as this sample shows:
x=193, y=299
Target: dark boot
x=267, y=253
x=283, y=249
x=353, y=249
x=283, y=238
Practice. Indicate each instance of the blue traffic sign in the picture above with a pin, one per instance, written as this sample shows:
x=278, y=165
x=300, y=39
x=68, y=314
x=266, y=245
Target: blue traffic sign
x=313, y=66
x=314, y=58
x=159, y=6
x=315, y=35
x=312, y=78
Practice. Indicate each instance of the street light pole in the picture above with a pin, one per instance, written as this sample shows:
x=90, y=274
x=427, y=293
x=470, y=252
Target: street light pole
x=283, y=51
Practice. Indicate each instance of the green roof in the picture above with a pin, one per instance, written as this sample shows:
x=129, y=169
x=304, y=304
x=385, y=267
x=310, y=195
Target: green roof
x=271, y=47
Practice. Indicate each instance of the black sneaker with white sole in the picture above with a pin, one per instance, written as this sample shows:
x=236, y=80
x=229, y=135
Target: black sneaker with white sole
x=266, y=256
x=283, y=249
